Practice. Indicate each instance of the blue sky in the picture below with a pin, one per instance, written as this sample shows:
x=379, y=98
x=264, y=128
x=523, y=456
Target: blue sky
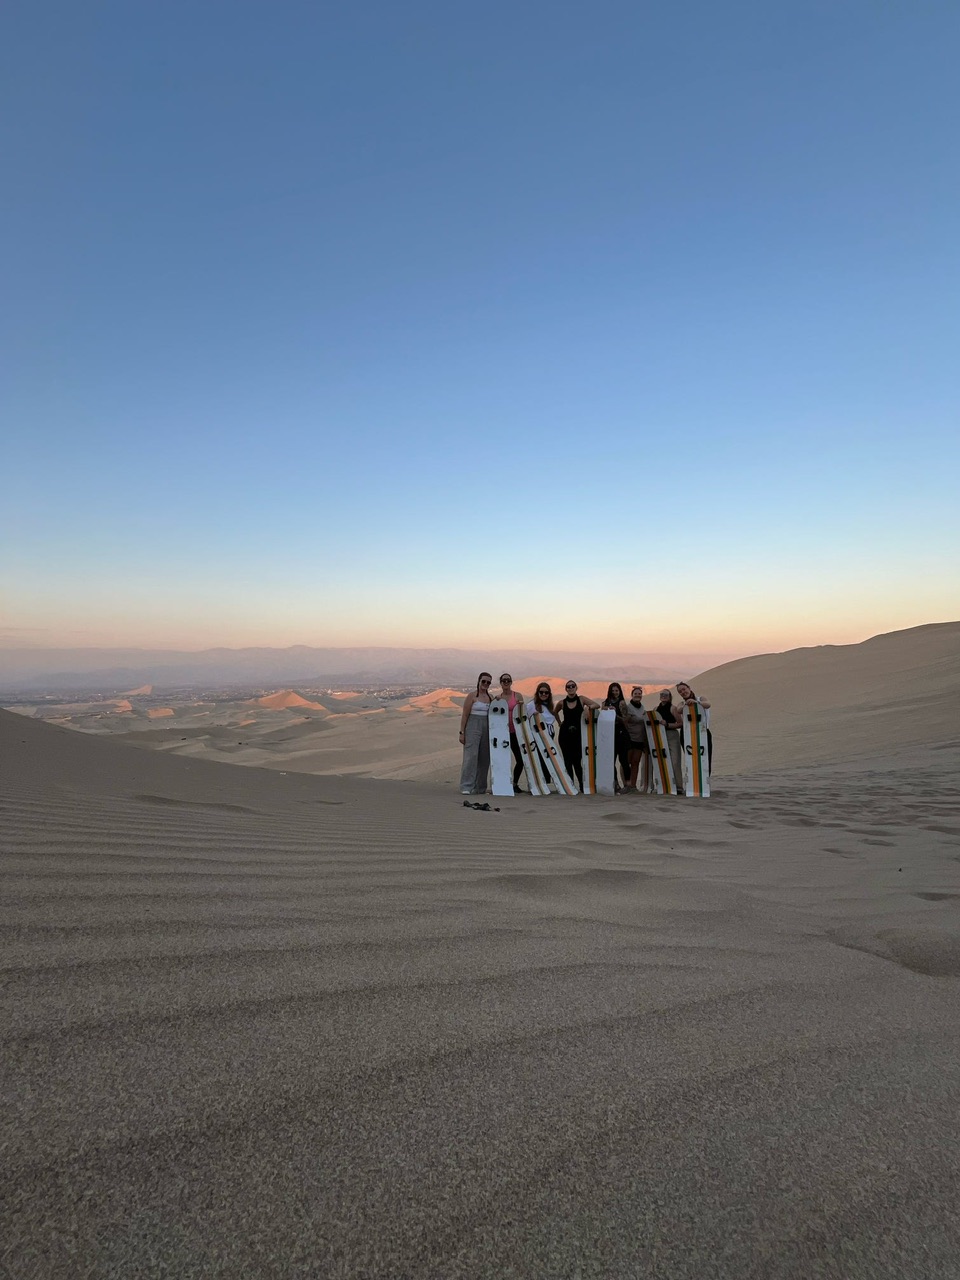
x=437, y=324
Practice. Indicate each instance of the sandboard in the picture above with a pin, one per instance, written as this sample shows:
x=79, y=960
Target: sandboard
x=696, y=760
x=588, y=750
x=659, y=755
x=606, y=752
x=547, y=746
x=501, y=757
x=528, y=752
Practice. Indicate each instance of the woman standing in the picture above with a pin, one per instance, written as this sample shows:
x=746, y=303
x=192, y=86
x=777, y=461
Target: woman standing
x=475, y=739
x=512, y=700
x=668, y=714
x=690, y=699
x=635, y=724
x=621, y=741
x=541, y=704
x=570, y=715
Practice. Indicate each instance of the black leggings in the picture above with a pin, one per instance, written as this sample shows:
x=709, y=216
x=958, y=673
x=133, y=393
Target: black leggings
x=621, y=746
x=570, y=750
x=518, y=758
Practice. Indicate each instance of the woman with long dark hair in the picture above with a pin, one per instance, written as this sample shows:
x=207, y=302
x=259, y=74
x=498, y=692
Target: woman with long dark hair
x=621, y=742
x=542, y=703
x=475, y=738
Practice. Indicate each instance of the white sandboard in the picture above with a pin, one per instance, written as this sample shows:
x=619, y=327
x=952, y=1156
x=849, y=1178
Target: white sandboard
x=659, y=755
x=528, y=751
x=588, y=750
x=606, y=752
x=696, y=758
x=501, y=757
x=547, y=746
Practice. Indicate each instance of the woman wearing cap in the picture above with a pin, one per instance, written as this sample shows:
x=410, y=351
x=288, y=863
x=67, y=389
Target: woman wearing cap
x=569, y=715
x=475, y=738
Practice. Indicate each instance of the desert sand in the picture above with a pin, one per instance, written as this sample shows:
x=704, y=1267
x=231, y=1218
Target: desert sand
x=262, y=1022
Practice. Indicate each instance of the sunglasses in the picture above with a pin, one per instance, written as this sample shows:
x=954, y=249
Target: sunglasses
x=506, y=679
x=571, y=686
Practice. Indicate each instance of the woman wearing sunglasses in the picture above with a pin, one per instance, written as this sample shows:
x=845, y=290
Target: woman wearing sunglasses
x=475, y=739
x=512, y=700
x=569, y=715
x=541, y=704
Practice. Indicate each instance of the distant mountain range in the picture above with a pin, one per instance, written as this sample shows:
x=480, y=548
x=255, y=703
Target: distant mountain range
x=118, y=670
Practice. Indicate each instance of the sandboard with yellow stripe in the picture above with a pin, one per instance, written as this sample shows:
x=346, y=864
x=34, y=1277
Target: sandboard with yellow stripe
x=696, y=757
x=532, y=767
x=659, y=754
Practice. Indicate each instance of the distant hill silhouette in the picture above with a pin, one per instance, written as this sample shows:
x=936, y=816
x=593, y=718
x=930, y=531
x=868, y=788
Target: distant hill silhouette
x=119, y=670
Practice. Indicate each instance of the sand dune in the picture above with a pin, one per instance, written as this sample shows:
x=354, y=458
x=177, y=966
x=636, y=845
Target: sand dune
x=267, y=1025
x=438, y=700
x=837, y=702
x=284, y=699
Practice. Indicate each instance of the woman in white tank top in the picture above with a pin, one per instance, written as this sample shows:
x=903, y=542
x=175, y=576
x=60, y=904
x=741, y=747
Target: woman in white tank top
x=475, y=739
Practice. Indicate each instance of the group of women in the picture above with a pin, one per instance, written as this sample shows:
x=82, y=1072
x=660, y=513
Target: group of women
x=562, y=719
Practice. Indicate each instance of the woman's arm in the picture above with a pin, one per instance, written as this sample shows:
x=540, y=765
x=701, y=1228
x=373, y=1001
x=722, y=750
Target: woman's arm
x=468, y=702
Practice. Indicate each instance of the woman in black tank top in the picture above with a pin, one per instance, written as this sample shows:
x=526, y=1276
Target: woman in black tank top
x=666, y=711
x=570, y=714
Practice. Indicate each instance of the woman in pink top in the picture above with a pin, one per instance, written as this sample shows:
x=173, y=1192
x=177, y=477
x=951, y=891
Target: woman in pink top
x=512, y=700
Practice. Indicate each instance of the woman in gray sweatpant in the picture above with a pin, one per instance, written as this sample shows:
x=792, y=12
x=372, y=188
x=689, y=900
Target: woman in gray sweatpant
x=475, y=738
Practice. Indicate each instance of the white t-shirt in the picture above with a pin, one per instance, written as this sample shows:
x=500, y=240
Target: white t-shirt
x=549, y=719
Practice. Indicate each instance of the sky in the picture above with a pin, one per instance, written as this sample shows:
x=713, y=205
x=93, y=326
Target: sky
x=620, y=326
